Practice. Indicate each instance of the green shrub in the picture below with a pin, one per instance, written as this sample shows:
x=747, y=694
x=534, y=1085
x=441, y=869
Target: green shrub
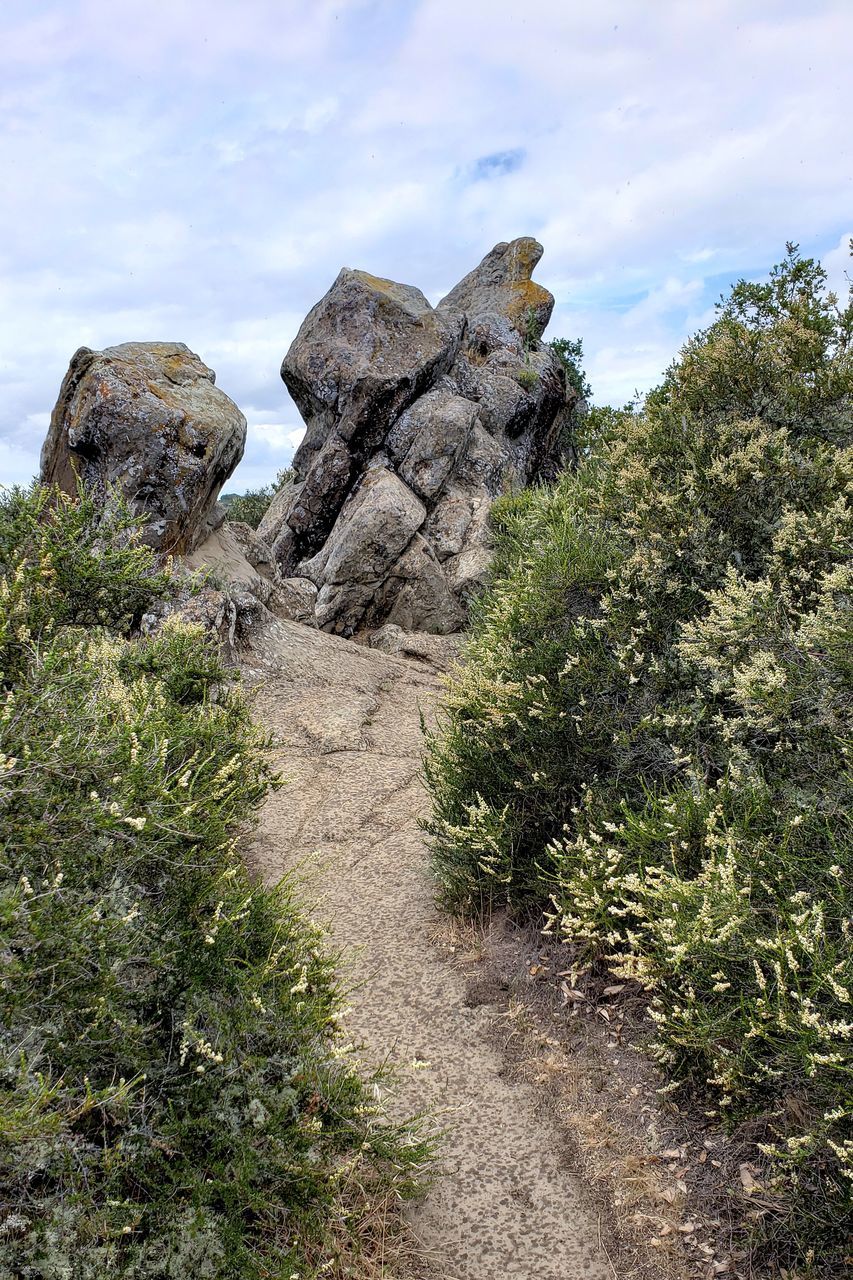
x=175, y=1097
x=569, y=351
x=650, y=738
x=252, y=506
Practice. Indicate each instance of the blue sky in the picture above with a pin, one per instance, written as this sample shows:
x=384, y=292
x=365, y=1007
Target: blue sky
x=199, y=170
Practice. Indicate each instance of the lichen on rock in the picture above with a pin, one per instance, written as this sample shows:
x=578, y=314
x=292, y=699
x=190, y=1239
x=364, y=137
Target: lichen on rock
x=145, y=419
x=449, y=405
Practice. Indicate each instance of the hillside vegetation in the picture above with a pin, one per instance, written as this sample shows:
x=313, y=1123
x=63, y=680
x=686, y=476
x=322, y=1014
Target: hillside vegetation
x=175, y=1097
x=650, y=739
x=252, y=506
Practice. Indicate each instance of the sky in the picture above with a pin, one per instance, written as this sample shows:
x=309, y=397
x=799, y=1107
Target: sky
x=200, y=170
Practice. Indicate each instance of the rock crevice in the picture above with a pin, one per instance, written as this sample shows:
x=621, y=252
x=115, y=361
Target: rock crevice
x=416, y=419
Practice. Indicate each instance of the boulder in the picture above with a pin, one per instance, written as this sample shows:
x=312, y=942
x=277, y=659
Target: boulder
x=416, y=419
x=256, y=552
x=501, y=287
x=228, y=614
x=273, y=519
x=237, y=557
x=145, y=419
x=361, y=356
x=427, y=441
x=294, y=598
x=448, y=522
x=416, y=594
x=375, y=526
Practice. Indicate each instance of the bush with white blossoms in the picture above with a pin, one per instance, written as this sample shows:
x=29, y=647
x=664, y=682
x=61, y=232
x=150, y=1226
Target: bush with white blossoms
x=651, y=737
x=175, y=1096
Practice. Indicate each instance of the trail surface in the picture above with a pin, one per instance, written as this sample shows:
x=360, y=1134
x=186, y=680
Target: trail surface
x=348, y=720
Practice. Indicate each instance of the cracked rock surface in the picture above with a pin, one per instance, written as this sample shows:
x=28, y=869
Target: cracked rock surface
x=146, y=419
x=417, y=417
x=347, y=720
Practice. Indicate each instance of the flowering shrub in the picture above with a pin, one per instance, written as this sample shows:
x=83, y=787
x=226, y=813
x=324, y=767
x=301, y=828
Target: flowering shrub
x=175, y=1097
x=650, y=738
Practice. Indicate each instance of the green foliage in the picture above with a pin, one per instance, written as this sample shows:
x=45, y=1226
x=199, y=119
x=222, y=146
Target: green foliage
x=61, y=566
x=527, y=377
x=650, y=738
x=252, y=506
x=570, y=354
x=577, y=426
x=175, y=1097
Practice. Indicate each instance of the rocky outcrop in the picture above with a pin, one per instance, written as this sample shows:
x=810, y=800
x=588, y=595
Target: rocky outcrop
x=416, y=417
x=145, y=419
x=233, y=557
x=501, y=287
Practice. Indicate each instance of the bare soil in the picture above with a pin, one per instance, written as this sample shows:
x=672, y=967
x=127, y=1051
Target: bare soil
x=560, y=1160
x=348, y=722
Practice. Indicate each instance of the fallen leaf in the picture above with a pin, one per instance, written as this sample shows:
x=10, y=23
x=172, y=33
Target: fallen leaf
x=748, y=1181
x=614, y=991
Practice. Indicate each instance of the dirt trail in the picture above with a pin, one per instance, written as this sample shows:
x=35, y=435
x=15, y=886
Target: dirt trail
x=348, y=720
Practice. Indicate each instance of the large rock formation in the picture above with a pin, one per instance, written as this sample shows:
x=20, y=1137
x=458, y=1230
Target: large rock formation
x=417, y=417
x=146, y=420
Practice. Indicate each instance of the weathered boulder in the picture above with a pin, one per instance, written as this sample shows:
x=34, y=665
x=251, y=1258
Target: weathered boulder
x=416, y=594
x=361, y=356
x=377, y=523
x=235, y=559
x=294, y=598
x=427, y=441
x=417, y=418
x=501, y=288
x=145, y=419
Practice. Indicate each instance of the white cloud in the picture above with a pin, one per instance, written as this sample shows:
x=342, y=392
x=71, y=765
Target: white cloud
x=203, y=177
x=838, y=264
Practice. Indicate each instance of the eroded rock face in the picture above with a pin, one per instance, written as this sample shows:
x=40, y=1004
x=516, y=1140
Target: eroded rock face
x=363, y=354
x=145, y=418
x=500, y=289
x=417, y=418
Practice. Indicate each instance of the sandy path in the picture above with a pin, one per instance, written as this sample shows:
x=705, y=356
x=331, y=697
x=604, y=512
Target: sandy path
x=348, y=719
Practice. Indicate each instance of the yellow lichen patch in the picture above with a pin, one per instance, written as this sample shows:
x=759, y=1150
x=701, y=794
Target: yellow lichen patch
x=377, y=282
x=525, y=254
x=527, y=294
